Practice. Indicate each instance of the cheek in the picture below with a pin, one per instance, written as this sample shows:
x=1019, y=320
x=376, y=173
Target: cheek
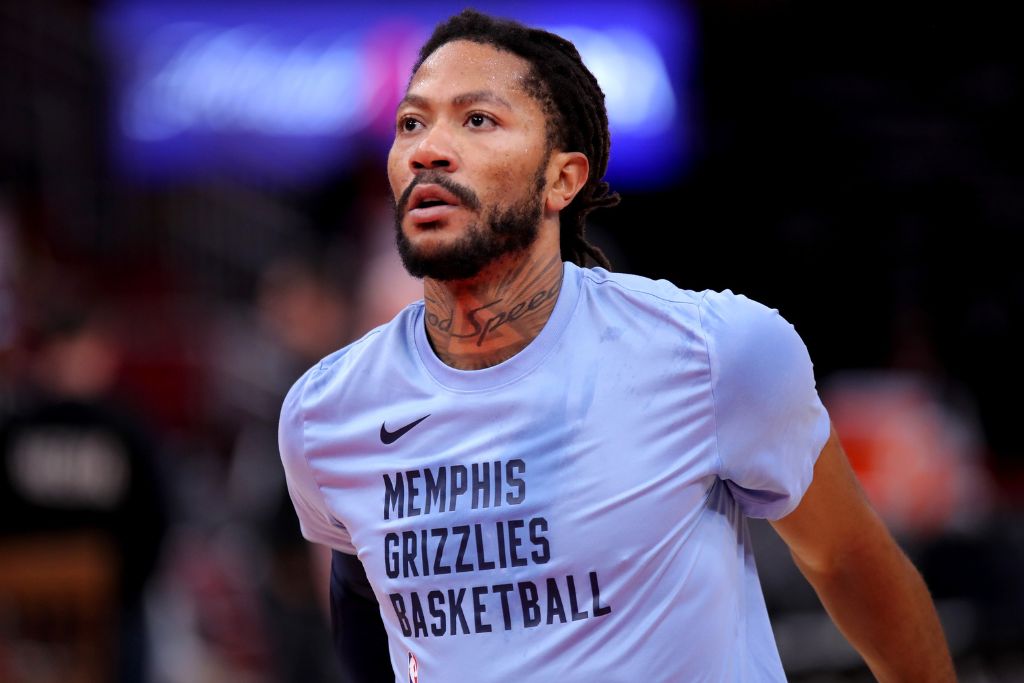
x=504, y=175
x=502, y=189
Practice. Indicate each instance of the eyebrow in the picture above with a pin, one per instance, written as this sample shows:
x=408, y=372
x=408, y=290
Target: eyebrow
x=474, y=97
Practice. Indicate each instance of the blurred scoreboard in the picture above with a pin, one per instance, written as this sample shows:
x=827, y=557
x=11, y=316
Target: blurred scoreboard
x=285, y=92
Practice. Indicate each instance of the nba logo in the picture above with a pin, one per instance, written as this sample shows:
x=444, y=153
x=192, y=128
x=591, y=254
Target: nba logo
x=414, y=669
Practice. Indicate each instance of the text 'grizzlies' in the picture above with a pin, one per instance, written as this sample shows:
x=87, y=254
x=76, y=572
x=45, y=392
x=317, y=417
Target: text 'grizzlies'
x=511, y=543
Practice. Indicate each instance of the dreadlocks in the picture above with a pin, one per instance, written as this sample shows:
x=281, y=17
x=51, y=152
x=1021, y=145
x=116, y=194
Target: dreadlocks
x=571, y=99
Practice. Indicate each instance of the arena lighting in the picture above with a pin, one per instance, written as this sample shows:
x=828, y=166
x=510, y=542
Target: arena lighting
x=288, y=92
x=638, y=92
x=242, y=79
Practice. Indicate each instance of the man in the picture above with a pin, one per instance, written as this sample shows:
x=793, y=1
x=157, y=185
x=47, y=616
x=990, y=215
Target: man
x=545, y=469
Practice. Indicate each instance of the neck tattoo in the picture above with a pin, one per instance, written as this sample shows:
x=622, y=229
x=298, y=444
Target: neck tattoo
x=483, y=326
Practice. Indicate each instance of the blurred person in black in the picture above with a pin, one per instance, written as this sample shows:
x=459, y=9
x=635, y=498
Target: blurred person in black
x=72, y=461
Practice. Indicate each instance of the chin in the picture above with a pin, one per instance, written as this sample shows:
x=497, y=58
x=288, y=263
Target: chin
x=429, y=239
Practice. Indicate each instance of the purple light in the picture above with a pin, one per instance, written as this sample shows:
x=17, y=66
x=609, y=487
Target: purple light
x=285, y=92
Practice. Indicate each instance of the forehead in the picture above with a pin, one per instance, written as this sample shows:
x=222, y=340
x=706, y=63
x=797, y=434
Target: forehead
x=464, y=65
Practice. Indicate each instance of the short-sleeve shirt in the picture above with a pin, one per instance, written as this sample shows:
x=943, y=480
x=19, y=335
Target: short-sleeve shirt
x=577, y=512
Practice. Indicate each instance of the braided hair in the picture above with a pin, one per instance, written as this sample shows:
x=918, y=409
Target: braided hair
x=571, y=100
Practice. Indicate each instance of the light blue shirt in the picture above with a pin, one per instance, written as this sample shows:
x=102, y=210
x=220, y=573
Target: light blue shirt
x=575, y=513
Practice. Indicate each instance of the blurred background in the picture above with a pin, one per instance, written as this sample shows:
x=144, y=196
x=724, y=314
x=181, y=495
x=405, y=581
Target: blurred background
x=194, y=209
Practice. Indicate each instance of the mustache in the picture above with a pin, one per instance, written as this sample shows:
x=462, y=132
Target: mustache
x=465, y=195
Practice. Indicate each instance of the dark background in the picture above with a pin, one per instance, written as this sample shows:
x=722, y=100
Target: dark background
x=858, y=166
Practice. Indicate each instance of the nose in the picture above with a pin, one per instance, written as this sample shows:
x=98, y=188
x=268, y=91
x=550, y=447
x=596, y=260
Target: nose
x=434, y=150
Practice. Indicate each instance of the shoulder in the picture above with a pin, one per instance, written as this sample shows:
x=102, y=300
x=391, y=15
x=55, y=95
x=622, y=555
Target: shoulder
x=733, y=321
x=658, y=306
x=600, y=282
x=742, y=329
x=709, y=312
x=733, y=314
x=719, y=314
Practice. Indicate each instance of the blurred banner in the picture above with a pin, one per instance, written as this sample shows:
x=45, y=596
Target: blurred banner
x=283, y=92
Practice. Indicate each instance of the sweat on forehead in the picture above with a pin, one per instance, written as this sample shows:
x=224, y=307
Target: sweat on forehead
x=470, y=56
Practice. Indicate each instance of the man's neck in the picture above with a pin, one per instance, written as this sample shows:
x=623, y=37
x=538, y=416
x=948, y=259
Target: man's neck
x=479, y=323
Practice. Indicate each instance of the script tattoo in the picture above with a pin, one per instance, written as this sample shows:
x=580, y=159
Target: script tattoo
x=481, y=328
x=520, y=301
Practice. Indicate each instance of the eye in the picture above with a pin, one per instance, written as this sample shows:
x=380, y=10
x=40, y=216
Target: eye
x=408, y=124
x=478, y=120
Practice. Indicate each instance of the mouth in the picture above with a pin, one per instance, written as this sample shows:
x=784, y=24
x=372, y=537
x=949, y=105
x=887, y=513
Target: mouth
x=431, y=203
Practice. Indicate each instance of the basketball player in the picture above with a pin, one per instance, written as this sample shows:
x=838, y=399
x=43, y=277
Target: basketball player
x=545, y=469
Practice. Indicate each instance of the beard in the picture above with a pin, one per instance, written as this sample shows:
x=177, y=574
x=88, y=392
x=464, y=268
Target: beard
x=501, y=231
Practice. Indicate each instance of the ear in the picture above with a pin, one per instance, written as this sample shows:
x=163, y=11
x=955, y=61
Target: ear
x=572, y=169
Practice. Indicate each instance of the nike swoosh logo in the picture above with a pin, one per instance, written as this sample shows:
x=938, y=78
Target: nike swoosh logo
x=391, y=437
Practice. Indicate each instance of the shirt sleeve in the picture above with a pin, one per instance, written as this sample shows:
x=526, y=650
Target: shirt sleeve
x=770, y=422
x=315, y=521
